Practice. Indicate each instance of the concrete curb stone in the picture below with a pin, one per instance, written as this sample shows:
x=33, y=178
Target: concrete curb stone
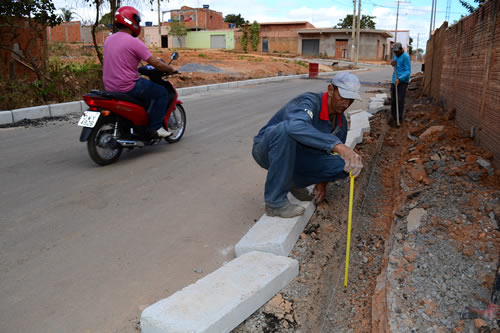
x=6, y=117
x=34, y=112
x=354, y=137
x=223, y=299
x=64, y=108
x=275, y=235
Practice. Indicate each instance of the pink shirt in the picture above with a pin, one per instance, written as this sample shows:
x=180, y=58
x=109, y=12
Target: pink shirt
x=122, y=54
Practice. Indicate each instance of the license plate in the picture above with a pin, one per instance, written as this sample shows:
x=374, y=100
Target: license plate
x=89, y=119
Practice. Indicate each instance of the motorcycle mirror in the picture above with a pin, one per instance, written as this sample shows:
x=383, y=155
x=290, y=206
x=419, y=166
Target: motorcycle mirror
x=174, y=56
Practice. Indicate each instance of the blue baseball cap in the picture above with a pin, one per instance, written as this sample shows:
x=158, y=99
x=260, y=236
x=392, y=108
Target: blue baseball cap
x=348, y=85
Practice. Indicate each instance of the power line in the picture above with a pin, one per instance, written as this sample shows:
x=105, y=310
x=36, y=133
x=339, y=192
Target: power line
x=448, y=7
x=416, y=9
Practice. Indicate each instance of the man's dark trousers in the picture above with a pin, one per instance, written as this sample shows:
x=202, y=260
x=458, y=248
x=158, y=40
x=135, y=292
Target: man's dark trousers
x=287, y=160
x=401, y=99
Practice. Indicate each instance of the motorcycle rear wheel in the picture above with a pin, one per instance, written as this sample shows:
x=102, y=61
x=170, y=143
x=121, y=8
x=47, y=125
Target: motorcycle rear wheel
x=176, y=124
x=102, y=147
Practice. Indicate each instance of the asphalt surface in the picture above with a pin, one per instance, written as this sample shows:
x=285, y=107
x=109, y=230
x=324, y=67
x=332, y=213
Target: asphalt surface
x=85, y=248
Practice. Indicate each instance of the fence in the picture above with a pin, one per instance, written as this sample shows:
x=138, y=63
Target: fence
x=462, y=71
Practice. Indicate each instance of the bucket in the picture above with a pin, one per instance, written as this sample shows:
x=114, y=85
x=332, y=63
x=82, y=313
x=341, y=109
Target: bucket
x=313, y=70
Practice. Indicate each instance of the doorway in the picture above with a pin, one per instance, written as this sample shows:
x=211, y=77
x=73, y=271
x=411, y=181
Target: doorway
x=164, y=42
x=341, y=48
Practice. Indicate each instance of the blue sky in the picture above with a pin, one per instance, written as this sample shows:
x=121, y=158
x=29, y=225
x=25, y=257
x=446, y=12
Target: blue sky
x=414, y=15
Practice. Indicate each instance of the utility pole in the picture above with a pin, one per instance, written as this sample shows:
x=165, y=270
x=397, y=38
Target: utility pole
x=432, y=17
x=358, y=38
x=159, y=22
x=353, y=39
x=397, y=19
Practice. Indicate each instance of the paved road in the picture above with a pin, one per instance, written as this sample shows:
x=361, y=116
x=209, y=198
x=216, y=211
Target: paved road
x=85, y=248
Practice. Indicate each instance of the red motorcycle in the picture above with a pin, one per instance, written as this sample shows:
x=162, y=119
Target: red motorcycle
x=116, y=120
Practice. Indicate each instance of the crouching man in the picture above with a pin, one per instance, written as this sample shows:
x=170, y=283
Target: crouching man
x=304, y=144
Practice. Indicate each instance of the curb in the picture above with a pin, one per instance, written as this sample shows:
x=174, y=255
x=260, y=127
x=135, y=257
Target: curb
x=236, y=290
x=60, y=109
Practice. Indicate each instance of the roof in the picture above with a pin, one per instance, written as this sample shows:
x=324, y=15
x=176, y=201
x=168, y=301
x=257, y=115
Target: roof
x=289, y=23
x=384, y=33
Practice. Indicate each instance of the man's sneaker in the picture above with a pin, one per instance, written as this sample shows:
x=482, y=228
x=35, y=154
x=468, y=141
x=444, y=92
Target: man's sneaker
x=163, y=133
x=287, y=211
x=301, y=193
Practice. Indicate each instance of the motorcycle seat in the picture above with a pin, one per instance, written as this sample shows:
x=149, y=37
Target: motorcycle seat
x=121, y=96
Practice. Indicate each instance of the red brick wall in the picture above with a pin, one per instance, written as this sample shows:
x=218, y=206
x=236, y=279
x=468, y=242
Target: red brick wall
x=467, y=66
x=8, y=61
x=65, y=32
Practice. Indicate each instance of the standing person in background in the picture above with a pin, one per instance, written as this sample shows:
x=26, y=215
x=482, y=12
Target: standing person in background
x=401, y=62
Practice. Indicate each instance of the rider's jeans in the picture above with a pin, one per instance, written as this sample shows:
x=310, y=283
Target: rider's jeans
x=158, y=97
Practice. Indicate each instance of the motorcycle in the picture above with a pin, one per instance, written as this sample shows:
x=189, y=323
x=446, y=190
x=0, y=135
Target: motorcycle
x=115, y=120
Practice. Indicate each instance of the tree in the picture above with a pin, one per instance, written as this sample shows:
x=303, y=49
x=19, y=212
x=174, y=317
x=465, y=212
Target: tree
x=470, y=7
x=30, y=19
x=178, y=30
x=254, y=35
x=410, y=48
x=244, y=37
x=107, y=19
x=235, y=19
x=366, y=22
x=67, y=14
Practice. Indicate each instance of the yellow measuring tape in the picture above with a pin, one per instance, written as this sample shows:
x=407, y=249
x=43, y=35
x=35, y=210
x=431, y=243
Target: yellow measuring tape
x=349, y=225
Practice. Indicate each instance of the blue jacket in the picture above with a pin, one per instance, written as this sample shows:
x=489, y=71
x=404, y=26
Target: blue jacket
x=403, y=67
x=308, y=123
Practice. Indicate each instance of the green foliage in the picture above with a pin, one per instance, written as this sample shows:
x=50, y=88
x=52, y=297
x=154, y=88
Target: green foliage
x=67, y=14
x=254, y=35
x=470, y=8
x=244, y=38
x=106, y=19
x=236, y=19
x=177, y=29
x=204, y=56
x=303, y=64
x=366, y=22
x=39, y=11
x=58, y=49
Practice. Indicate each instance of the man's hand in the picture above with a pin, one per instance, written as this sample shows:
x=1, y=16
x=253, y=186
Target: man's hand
x=396, y=81
x=159, y=64
x=393, y=63
x=319, y=192
x=352, y=160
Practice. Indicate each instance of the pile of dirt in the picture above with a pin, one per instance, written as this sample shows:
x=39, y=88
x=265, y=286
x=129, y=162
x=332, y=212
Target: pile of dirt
x=425, y=239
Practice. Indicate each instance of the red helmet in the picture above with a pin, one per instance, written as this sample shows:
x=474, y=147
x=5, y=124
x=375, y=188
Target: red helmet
x=129, y=17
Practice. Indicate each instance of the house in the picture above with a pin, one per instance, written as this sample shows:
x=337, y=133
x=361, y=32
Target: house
x=337, y=43
x=199, y=18
x=153, y=37
x=281, y=36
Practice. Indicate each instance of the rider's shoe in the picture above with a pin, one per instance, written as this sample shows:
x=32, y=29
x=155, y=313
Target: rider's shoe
x=287, y=211
x=163, y=133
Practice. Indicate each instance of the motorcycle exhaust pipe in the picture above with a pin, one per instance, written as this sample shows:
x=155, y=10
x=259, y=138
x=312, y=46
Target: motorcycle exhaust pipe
x=130, y=143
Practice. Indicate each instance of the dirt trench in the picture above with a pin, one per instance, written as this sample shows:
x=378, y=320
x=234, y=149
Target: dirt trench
x=430, y=276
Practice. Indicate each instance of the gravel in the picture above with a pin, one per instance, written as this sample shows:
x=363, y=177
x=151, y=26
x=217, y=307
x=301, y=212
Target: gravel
x=193, y=67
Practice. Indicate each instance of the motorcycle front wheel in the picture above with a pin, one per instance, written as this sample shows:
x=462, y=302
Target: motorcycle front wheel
x=176, y=124
x=101, y=145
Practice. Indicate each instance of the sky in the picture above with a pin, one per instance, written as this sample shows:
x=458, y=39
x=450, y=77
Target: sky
x=413, y=15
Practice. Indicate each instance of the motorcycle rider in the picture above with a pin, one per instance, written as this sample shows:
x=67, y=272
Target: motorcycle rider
x=122, y=54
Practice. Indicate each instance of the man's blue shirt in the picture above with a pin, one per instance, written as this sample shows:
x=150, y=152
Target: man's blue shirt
x=306, y=122
x=403, y=67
